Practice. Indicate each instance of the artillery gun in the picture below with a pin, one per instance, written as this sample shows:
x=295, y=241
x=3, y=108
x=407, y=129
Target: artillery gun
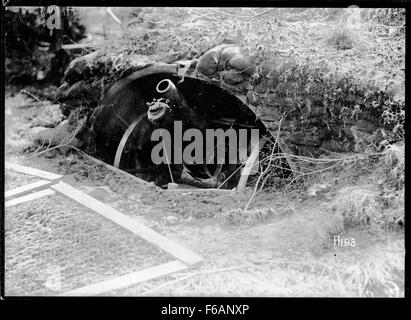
x=123, y=97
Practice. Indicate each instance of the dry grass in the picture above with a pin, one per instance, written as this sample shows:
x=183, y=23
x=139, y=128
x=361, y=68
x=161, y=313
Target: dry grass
x=342, y=38
x=366, y=43
x=391, y=186
x=55, y=233
x=25, y=125
x=44, y=116
x=395, y=161
x=357, y=206
x=379, y=274
x=249, y=217
x=278, y=33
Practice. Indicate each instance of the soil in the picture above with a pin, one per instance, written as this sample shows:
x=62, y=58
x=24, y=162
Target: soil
x=54, y=245
x=282, y=246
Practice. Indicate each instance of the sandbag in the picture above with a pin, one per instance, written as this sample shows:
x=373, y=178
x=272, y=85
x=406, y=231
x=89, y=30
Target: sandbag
x=233, y=58
x=224, y=57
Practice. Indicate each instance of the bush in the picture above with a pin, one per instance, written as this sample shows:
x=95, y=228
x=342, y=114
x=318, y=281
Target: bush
x=26, y=62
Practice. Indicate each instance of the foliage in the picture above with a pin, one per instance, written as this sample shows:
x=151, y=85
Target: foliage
x=326, y=68
x=391, y=186
x=27, y=60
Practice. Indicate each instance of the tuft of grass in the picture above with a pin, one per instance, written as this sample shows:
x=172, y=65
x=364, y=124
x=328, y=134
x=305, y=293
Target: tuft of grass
x=43, y=116
x=381, y=276
x=249, y=217
x=342, y=38
x=357, y=206
x=395, y=162
x=391, y=187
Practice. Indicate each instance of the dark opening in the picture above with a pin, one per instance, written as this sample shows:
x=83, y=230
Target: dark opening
x=162, y=86
x=214, y=105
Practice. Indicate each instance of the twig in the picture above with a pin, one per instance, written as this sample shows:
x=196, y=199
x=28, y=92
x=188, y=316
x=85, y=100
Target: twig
x=208, y=15
x=123, y=28
x=192, y=275
x=312, y=172
x=79, y=46
x=249, y=9
x=256, y=190
x=99, y=162
x=30, y=94
x=298, y=174
x=229, y=14
x=111, y=13
x=261, y=13
x=299, y=263
x=36, y=104
x=239, y=16
x=58, y=147
x=167, y=284
x=326, y=160
x=385, y=26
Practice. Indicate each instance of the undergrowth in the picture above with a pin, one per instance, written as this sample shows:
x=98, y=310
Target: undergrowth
x=318, y=67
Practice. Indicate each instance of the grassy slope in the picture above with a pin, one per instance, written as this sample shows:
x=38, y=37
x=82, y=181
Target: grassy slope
x=283, y=246
x=338, y=40
x=288, y=251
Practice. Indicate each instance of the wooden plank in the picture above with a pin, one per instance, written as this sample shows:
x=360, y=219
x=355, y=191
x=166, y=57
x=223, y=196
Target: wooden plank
x=249, y=164
x=128, y=223
x=29, y=197
x=226, y=191
x=32, y=171
x=127, y=280
x=23, y=190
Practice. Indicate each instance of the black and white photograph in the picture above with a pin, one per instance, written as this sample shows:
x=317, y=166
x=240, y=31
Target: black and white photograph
x=203, y=152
